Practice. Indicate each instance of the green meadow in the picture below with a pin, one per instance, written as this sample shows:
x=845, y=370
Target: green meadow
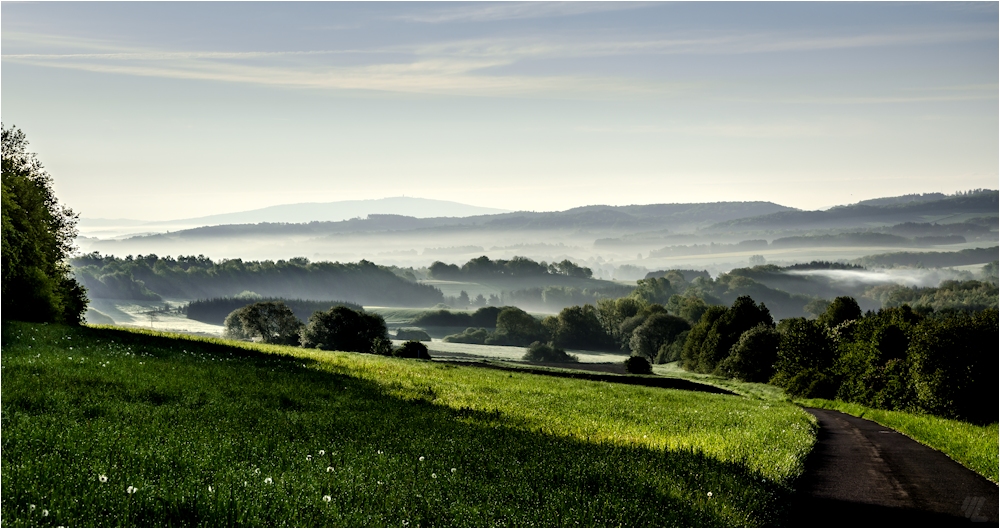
x=121, y=427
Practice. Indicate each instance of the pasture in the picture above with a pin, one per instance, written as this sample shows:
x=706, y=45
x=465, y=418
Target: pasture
x=111, y=426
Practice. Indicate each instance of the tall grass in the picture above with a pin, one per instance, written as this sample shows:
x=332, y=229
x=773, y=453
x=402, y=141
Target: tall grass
x=974, y=446
x=106, y=426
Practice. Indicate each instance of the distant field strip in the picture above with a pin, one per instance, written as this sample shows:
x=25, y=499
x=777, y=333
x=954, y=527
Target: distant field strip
x=108, y=426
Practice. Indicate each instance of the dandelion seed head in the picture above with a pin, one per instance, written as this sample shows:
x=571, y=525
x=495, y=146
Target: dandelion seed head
x=210, y=489
x=329, y=469
x=31, y=507
x=256, y=471
x=434, y=476
x=45, y=512
x=421, y=458
x=131, y=489
x=322, y=452
x=710, y=494
x=268, y=480
x=102, y=478
x=453, y=470
x=327, y=498
x=309, y=457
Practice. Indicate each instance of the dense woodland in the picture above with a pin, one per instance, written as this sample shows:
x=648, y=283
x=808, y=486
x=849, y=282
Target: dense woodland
x=190, y=277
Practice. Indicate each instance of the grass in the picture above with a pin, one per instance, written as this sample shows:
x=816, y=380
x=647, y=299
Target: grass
x=217, y=433
x=975, y=447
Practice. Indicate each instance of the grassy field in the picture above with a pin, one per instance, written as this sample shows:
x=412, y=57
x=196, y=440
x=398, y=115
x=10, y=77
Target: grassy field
x=124, y=427
x=975, y=447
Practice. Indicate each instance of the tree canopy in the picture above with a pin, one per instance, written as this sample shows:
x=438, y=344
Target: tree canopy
x=38, y=235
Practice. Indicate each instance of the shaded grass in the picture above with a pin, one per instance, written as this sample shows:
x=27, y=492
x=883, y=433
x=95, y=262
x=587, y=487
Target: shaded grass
x=198, y=426
x=975, y=447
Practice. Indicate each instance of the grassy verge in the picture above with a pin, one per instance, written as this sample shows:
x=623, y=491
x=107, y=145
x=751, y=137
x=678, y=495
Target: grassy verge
x=975, y=447
x=106, y=426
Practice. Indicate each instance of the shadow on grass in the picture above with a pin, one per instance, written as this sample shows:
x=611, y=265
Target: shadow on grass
x=205, y=415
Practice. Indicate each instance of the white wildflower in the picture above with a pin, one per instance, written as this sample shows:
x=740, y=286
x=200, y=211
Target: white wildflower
x=434, y=476
x=453, y=470
x=322, y=452
x=31, y=507
x=131, y=489
x=329, y=469
x=45, y=512
x=309, y=457
x=268, y=480
x=327, y=498
x=102, y=478
x=709, y=494
x=421, y=458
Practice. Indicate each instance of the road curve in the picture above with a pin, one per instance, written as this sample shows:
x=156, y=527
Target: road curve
x=862, y=474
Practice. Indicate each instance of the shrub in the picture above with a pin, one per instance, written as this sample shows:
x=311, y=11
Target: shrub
x=343, y=329
x=413, y=334
x=470, y=335
x=516, y=327
x=412, y=349
x=543, y=352
x=638, y=365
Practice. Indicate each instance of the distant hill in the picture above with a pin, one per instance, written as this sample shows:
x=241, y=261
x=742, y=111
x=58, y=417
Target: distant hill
x=306, y=212
x=948, y=209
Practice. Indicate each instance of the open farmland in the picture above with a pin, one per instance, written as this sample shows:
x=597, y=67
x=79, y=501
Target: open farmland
x=147, y=429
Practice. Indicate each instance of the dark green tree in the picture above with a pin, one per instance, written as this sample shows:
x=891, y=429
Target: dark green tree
x=37, y=238
x=752, y=358
x=516, y=327
x=267, y=321
x=343, y=329
x=843, y=308
x=658, y=330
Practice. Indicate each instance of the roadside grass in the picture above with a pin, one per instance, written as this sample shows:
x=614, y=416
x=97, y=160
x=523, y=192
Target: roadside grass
x=109, y=426
x=975, y=447
x=747, y=389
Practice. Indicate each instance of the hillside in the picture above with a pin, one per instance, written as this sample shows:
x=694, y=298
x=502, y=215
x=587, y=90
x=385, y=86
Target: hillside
x=145, y=429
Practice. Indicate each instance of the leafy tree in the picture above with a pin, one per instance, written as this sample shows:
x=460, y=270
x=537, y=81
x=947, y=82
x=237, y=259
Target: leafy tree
x=638, y=365
x=463, y=299
x=516, y=327
x=954, y=366
x=343, y=329
x=806, y=355
x=611, y=313
x=37, y=237
x=689, y=307
x=658, y=330
x=752, y=358
x=717, y=335
x=269, y=322
x=578, y=327
x=843, y=308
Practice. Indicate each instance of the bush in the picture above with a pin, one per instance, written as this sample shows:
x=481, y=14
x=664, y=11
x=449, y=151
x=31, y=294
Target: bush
x=516, y=327
x=343, y=329
x=413, y=334
x=543, y=352
x=412, y=349
x=638, y=365
x=470, y=335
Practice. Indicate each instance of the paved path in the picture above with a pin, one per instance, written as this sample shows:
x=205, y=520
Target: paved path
x=862, y=474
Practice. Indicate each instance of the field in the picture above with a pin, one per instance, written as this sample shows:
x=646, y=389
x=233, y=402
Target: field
x=110, y=426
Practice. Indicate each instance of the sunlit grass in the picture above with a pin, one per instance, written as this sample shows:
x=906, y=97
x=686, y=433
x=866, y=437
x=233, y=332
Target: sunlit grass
x=975, y=447
x=210, y=432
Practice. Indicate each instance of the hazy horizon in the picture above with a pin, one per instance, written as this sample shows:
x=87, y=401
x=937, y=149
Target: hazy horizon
x=160, y=111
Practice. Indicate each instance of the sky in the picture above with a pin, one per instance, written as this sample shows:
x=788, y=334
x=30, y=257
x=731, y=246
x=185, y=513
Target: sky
x=158, y=111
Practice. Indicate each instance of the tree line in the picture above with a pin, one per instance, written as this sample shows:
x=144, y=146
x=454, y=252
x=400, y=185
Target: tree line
x=485, y=268
x=151, y=276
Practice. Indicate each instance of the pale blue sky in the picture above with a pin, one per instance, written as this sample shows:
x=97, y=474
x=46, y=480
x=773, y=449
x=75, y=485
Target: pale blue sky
x=172, y=110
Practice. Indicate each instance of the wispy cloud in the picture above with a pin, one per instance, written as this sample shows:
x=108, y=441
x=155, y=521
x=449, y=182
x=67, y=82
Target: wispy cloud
x=490, y=12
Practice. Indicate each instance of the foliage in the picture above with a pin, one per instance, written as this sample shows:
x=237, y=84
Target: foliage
x=544, y=352
x=709, y=342
x=806, y=355
x=752, y=358
x=527, y=450
x=412, y=349
x=483, y=317
x=215, y=310
x=470, y=335
x=954, y=366
x=412, y=334
x=343, y=329
x=516, y=327
x=964, y=257
x=638, y=365
x=266, y=321
x=199, y=277
x=579, y=327
x=656, y=331
x=37, y=237
x=950, y=295
x=843, y=308
x=672, y=352
x=485, y=268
